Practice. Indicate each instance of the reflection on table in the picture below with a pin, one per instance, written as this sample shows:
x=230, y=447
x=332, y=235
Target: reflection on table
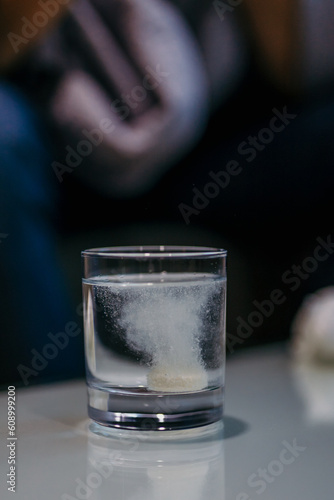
x=137, y=466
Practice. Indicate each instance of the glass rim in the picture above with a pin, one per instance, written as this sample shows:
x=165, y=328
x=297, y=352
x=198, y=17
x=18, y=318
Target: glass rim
x=155, y=251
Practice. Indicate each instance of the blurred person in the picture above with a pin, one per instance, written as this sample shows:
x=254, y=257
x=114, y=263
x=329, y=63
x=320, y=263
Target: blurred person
x=251, y=84
x=35, y=306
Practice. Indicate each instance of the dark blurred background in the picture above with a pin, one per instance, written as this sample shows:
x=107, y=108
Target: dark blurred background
x=181, y=122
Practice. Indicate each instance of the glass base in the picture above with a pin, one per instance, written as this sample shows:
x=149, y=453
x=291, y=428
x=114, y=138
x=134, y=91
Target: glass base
x=202, y=435
x=138, y=409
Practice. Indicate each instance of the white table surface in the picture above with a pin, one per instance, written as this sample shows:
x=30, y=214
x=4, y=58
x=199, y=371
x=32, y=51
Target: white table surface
x=272, y=405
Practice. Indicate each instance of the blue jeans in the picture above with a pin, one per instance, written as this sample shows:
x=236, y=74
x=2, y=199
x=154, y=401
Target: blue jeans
x=34, y=305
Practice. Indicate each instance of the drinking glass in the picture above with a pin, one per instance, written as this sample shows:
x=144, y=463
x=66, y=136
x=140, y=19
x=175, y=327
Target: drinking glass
x=154, y=324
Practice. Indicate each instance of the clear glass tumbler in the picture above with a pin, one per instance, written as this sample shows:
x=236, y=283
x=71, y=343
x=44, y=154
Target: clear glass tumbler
x=154, y=323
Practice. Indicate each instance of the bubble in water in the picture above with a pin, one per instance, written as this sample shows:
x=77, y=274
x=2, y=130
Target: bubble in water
x=163, y=322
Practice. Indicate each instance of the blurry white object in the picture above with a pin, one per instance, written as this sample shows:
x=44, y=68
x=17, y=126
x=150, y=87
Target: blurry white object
x=313, y=350
x=315, y=383
x=313, y=328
